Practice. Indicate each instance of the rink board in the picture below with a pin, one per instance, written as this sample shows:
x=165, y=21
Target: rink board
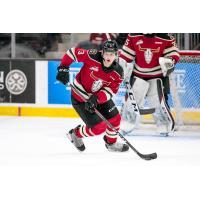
x=192, y=117
x=44, y=96
x=38, y=112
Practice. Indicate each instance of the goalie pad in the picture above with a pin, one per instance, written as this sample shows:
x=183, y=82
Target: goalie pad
x=153, y=94
x=127, y=68
x=129, y=113
x=162, y=116
x=129, y=116
x=140, y=88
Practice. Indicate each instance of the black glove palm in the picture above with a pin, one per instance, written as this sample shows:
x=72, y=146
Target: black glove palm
x=91, y=103
x=63, y=74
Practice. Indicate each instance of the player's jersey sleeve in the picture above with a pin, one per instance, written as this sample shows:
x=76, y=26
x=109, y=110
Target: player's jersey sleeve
x=128, y=52
x=74, y=55
x=107, y=92
x=171, y=50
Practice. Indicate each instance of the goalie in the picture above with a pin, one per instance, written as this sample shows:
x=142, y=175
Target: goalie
x=153, y=56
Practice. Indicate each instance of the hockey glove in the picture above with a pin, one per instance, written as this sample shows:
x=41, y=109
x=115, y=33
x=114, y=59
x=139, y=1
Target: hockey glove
x=63, y=74
x=167, y=65
x=91, y=103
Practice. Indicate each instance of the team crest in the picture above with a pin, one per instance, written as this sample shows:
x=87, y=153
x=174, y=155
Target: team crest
x=97, y=85
x=93, y=51
x=148, y=55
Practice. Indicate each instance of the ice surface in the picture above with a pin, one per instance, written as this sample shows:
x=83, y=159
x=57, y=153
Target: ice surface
x=38, y=162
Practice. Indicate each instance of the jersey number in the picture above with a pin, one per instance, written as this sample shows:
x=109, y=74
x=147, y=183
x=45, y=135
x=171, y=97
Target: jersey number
x=127, y=42
x=80, y=52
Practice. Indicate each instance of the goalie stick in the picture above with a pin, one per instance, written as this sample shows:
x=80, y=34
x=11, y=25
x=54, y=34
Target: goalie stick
x=143, y=156
x=136, y=109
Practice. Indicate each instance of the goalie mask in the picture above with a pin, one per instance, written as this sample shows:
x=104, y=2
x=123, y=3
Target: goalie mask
x=149, y=35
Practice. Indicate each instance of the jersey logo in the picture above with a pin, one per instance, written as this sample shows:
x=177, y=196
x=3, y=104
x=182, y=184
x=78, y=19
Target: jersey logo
x=94, y=68
x=148, y=53
x=148, y=56
x=97, y=78
x=97, y=85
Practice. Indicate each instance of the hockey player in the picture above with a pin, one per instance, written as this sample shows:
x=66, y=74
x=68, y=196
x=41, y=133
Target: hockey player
x=154, y=56
x=97, y=81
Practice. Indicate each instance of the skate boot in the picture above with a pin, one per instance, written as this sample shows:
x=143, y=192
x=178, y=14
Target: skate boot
x=115, y=147
x=77, y=142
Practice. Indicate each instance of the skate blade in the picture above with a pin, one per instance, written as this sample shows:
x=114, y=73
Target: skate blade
x=69, y=137
x=164, y=134
x=81, y=148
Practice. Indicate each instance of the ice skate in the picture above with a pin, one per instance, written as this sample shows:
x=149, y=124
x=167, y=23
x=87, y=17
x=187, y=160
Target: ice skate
x=116, y=147
x=77, y=142
x=164, y=134
x=162, y=130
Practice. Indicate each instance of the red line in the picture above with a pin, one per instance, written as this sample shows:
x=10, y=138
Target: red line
x=19, y=111
x=189, y=53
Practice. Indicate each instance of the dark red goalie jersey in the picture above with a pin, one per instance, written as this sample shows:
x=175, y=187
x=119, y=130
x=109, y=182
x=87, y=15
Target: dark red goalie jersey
x=93, y=77
x=146, y=51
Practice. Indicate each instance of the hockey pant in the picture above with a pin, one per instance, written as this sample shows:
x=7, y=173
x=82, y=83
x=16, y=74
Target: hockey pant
x=94, y=125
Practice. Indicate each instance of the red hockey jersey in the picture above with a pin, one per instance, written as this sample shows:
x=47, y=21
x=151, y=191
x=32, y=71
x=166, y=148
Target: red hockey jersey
x=146, y=52
x=93, y=77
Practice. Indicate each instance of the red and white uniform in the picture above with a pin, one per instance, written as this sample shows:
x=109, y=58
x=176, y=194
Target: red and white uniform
x=93, y=78
x=146, y=52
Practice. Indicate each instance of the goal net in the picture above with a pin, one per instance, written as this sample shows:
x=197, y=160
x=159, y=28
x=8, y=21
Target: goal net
x=184, y=99
x=185, y=88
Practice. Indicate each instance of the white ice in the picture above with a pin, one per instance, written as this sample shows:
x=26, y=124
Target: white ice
x=37, y=162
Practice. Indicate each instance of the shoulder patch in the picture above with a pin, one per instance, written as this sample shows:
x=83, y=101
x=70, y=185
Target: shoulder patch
x=93, y=51
x=95, y=55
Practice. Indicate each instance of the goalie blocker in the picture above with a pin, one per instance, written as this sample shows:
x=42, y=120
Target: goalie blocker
x=152, y=90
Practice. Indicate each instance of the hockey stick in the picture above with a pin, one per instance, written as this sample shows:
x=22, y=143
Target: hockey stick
x=143, y=156
x=132, y=98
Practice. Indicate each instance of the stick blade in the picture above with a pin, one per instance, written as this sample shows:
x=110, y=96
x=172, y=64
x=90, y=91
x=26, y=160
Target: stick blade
x=149, y=156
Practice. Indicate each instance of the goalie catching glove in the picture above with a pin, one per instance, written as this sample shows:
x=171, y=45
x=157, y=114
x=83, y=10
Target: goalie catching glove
x=167, y=65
